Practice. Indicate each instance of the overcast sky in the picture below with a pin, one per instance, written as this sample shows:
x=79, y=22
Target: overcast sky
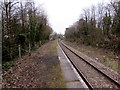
x=63, y=13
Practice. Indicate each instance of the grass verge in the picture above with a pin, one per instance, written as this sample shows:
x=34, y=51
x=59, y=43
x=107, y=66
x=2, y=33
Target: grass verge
x=57, y=80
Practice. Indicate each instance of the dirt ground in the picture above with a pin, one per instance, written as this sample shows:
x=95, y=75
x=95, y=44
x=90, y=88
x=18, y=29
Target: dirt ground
x=40, y=70
x=106, y=57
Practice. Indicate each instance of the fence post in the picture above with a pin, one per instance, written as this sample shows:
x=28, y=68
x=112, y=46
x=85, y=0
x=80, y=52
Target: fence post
x=29, y=49
x=19, y=48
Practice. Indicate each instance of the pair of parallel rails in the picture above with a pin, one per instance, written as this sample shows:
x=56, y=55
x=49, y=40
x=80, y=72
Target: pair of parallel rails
x=113, y=83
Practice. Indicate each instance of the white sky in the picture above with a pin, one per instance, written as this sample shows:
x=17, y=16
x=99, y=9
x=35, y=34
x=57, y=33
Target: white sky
x=63, y=13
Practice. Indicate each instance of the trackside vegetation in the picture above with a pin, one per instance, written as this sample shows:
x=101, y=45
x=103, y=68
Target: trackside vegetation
x=98, y=26
x=24, y=28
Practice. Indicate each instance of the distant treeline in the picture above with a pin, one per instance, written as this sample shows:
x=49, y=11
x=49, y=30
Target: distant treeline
x=98, y=26
x=23, y=28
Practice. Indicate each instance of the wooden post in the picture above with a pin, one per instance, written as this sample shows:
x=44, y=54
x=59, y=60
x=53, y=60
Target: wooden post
x=19, y=48
x=39, y=43
x=29, y=49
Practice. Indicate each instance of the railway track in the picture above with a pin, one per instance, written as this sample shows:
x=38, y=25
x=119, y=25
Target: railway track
x=92, y=76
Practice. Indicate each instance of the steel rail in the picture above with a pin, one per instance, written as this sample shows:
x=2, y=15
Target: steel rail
x=79, y=72
x=112, y=80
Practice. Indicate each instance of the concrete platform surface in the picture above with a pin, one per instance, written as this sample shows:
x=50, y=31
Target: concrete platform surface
x=70, y=75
